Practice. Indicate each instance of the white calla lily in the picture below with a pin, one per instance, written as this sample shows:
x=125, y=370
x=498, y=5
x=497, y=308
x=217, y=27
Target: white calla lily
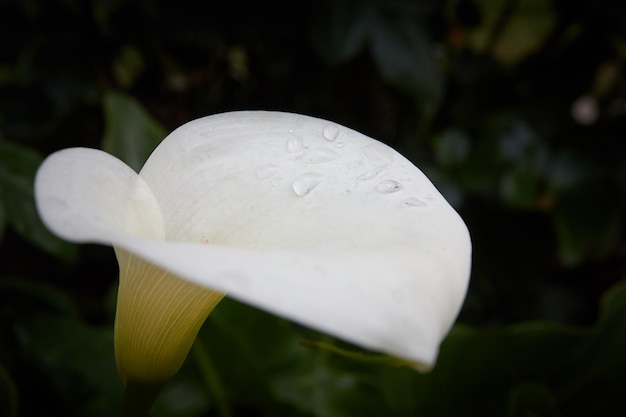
x=299, y=216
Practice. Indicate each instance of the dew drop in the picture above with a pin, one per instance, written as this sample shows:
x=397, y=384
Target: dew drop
x=368, y=175
x=378, y=154
x=330, y=132
x=341, y=144
x=388, y=186
x=267, y=171
x=320, y=155
x=303, y=184
x=414, y=202
x=294, y=144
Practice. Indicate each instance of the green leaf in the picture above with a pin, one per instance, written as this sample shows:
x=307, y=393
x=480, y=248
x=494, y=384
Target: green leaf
x=519, y=28
x=340, y=29
x=128, y=65
x=614, y=302
x=480, y=368
x=534, y=368
x=527, y=29
x=532, y=399
x=490, y=10
x=587, y=221
x=181, y=397
x=452, y=147
x=406, y=58
x=325, y=384
x=260, y=363
x=73, y=355
x=242, y=356
x=570, y=170
x=520, y=188
x=17, y=203
x=399, y=46
x=598, y=377
x=22, y=296
x=130, y=134
x=587, y=215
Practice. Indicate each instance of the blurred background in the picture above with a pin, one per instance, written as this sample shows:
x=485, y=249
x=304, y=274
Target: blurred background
x=515, y=109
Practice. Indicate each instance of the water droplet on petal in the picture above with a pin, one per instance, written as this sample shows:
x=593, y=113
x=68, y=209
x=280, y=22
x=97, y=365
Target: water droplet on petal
x=414, y=202
x=294, y=144
x=388, y=186
x=305, y=183
x=267, y=171
x=341, y=144
x=368, y=175
x=319, y=155
x=378, y=154
x=330, y=132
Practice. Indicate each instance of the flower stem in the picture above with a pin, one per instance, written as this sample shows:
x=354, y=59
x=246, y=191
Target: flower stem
x=139, y=396
x=211, y=379
x=366, y=357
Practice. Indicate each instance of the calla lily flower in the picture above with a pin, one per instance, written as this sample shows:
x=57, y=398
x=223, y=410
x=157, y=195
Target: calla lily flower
x=299, y=216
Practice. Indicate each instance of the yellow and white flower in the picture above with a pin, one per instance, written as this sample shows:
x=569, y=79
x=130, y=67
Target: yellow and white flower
x=295, y=215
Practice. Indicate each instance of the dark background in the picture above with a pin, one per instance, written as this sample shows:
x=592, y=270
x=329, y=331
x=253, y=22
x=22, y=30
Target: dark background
x=515, y=110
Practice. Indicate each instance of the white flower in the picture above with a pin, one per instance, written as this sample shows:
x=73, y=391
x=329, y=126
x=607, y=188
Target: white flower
x=299, y=216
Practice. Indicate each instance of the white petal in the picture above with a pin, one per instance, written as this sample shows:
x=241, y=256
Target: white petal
x=86, y=195
x=304, y=218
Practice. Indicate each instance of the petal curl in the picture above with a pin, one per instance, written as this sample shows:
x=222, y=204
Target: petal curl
x=86, y=195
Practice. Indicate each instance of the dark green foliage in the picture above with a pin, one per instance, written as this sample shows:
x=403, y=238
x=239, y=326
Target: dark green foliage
x=515, y=109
